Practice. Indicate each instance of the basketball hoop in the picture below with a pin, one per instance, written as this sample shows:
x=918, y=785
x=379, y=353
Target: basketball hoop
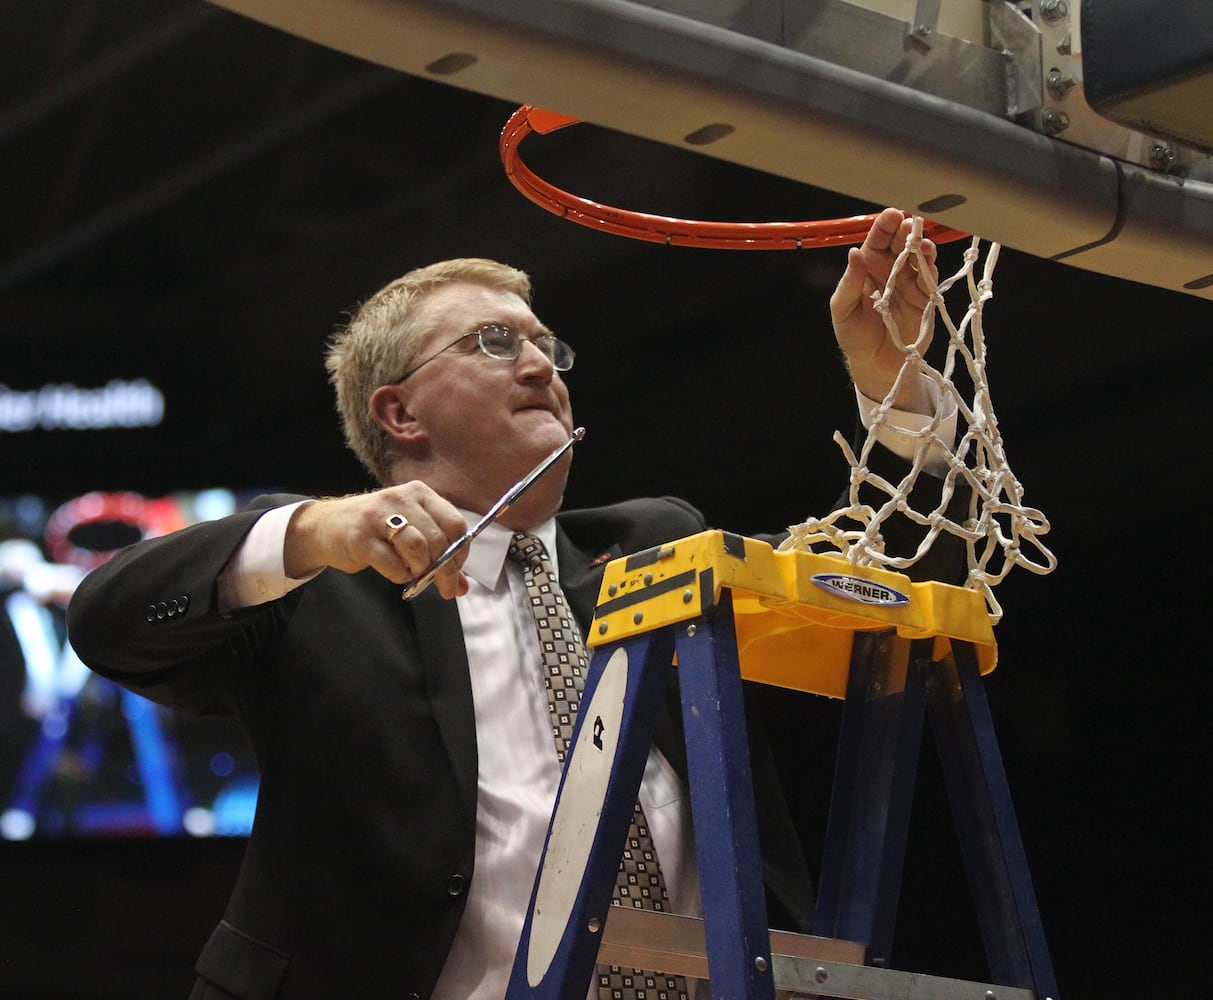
x=674, y=232
x=998, y=529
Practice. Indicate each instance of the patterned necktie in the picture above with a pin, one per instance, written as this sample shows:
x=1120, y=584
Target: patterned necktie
x=639, y=882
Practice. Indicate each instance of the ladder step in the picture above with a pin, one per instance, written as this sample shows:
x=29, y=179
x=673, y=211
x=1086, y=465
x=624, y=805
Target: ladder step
x=643, y=939
x=809, y=978
x=804, y=965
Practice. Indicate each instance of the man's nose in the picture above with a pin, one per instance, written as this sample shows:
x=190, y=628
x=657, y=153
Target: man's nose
x=532, y=363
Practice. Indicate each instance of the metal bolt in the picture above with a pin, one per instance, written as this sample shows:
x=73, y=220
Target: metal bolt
x=602, y=628
x=1054, y=122
x=691, y=631
x=648, y=579
x=1162, y=156
x=613, y=589
x=688, y=596
x=760, y=964
x=990, y=995
x=638, y=617
x=1054, y=11
x=821, y=975
x=1060, y=84
x=594, y=926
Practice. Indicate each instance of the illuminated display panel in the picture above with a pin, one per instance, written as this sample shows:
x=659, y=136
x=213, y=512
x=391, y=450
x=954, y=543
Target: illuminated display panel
x=80, y=756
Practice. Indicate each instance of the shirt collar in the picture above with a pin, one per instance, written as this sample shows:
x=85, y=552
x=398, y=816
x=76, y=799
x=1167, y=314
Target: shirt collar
x=487, y=553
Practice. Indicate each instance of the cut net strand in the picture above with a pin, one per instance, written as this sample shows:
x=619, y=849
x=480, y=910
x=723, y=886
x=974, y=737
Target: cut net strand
x=999, y=530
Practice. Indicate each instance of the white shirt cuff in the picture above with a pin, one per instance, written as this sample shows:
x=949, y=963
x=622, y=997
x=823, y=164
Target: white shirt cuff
x=902, y=431
x=255, y=574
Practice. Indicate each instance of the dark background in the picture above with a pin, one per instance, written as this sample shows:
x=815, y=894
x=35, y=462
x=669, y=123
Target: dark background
x=194, y=199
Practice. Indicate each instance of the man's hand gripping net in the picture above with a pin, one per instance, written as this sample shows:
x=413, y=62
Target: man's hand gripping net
x=999, y=531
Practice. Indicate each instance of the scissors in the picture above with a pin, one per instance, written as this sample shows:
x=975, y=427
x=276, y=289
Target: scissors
x=415, y=587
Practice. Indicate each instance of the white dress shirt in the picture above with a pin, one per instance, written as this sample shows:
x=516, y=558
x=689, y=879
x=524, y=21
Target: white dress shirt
x=519, y=776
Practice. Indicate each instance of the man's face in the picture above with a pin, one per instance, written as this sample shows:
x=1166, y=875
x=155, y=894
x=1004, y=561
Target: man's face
x=485, y=422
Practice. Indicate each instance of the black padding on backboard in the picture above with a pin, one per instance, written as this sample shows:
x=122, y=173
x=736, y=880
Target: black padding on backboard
x=1149, y=65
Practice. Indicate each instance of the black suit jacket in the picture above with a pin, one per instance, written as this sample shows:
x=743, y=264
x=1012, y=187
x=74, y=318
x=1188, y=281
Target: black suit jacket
x=359, y=707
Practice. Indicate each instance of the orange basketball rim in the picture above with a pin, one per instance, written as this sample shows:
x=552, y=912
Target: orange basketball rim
x=674, y=232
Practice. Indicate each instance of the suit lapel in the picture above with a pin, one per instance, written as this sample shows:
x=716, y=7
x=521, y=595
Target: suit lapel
x=444, y=659
x=581, y=576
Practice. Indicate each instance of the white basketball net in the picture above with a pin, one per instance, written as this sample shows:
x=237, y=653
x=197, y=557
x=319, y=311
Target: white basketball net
x=999, y=531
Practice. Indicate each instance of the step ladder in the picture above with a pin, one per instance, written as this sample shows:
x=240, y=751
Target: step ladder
x=729, y=608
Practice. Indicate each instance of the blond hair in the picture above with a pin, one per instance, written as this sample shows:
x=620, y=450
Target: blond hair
x=382, y=342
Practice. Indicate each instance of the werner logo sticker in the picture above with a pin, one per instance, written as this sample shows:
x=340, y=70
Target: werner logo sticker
x=857, y=588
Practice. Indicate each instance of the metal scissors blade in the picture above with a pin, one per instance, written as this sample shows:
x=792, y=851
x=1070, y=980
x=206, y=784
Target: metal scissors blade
x=508, y=499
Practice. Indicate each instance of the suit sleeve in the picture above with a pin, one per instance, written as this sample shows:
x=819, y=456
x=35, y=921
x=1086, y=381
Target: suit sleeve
x=946, y=561
x=149, y=619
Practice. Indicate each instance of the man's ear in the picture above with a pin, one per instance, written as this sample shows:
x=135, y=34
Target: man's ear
x=389, y=409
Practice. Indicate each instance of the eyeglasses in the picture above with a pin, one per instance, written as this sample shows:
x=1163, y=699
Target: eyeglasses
x=503, y=344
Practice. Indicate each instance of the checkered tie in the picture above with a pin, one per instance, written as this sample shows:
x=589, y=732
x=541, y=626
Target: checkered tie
x=639, y=882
